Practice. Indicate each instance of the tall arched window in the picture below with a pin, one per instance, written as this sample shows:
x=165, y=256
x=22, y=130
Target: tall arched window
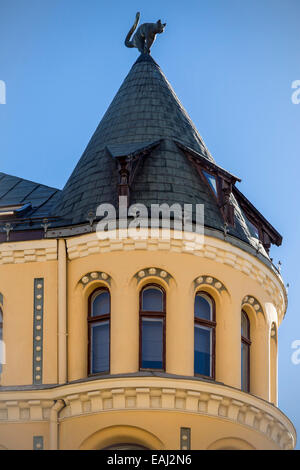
x=245, y=352
x=1, y=338
x=204, y=335
x=99, y=331
x=152, y=327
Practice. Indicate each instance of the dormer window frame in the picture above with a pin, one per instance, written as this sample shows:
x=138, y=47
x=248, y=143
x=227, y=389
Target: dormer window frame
x=222, y=194
x=225, y=181
x=267, y=233
x=14, y=210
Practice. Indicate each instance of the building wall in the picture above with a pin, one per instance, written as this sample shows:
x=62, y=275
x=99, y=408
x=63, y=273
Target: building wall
x=233, y=277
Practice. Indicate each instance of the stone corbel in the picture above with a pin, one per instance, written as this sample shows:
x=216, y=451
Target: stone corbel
x=227, y=208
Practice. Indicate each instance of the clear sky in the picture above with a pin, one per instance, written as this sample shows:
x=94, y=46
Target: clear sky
x=231, y=63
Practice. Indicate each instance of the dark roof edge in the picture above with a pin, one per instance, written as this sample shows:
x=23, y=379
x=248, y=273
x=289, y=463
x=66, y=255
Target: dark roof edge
x=246, y=204
x=30, y=181
x=206, y=161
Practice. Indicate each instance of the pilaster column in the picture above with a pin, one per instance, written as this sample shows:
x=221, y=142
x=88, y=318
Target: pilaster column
x=228, y=341
x=62, y=312
x=124, y=348
x=260, y=360
x=180, y=330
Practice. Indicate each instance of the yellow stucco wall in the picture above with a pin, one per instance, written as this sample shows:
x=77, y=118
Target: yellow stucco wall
x=242, y=275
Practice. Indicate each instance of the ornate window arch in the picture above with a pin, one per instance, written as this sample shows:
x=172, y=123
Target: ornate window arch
x=99, y=331
x=204, y=335
x=152, y=327
x=245, y=352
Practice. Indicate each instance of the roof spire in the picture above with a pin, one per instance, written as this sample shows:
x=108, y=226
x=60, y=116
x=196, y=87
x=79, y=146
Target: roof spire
x=145, y=35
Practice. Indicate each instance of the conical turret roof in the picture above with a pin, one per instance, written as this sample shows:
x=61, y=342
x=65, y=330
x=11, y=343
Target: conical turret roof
x=144, y=110
x=146, y=116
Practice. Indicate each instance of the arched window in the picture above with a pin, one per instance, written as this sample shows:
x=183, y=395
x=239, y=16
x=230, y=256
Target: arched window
x=245, y=352
x=204, y=335
x=152, y=327
x=1, y=338
x=99, y=331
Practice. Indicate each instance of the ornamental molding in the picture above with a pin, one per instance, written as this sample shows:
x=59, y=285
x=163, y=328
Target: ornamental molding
x=25, y=410
x=212, y=248
x=254, y=303
x=28, y=251
x=38, y=331
x=205, y=280
x=165, y=394
x=153, y=272
x=95, y=276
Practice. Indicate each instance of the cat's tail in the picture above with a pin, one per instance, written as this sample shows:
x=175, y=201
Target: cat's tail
x=128, y=43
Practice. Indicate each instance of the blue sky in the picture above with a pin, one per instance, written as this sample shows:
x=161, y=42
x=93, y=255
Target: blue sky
x=231, y=63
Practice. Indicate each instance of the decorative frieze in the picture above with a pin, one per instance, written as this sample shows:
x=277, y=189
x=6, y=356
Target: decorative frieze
x=28, y=252
x=38, y=320
x=25, y=410
x=201, y=398
x=261, y=417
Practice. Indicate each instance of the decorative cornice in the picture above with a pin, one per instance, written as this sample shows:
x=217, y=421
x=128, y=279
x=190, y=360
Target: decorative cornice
x=28, y=251
x=211, y=248
x=181, y=396
x=25, y=410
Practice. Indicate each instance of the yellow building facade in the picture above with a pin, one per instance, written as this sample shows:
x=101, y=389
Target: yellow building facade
x=64, y=387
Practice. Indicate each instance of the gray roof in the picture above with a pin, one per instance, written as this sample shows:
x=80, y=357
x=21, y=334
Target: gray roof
x=144, y=110
x=15, y=190
x=145, y=114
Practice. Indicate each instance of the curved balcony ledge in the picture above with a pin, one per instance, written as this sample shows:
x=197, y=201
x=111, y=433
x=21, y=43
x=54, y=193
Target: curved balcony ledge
x=181, y=395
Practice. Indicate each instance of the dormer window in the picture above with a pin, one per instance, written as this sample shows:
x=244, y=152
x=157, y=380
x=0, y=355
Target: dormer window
x=14, y=210
x=253, y=229
x=212, y=182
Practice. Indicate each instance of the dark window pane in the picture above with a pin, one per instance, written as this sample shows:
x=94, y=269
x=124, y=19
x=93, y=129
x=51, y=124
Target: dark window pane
x=245, y=367
x=203, y=307
x=152, y=343
x=245, y=326
x=101, y=304
x=253, y=230
x=152, y=300
x=203, y=351
x=212, y=182
x=100, y=347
